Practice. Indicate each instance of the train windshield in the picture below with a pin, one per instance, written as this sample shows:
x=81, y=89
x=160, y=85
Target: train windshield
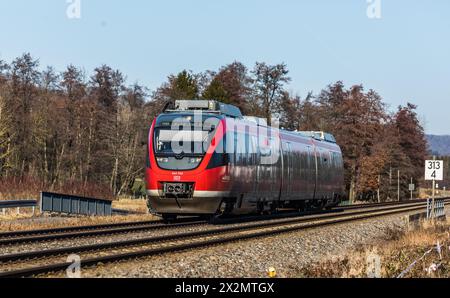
x=182, y=140
x=186, y=142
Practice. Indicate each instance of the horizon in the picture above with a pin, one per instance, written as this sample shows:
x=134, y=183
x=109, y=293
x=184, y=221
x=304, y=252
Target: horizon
x=397, y=49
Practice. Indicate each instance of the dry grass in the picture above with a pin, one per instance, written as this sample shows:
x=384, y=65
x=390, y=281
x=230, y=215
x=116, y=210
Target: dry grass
x=27, y=187
x=397, y=251
x=426, y=193
x=129, y=204
x=19, y=224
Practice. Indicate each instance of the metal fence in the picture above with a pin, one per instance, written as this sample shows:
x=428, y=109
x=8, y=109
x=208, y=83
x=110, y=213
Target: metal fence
x=439, y=208
x=17, y=204
x=59, y=203
x=68, y=204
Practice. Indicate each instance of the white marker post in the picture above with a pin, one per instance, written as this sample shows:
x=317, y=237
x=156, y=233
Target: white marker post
x=434, y=171
x=412, y=188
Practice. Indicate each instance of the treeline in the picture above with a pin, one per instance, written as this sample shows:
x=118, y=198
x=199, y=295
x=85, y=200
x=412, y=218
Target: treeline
x=446, y=182
x=73, y=131
x=69, y=132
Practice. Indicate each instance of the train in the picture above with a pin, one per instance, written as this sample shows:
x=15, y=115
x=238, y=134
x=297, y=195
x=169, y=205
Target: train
x=204, y=158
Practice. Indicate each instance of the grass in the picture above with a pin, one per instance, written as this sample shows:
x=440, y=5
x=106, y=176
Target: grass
x=396, y=252
x=129, y=204
x=17, y=224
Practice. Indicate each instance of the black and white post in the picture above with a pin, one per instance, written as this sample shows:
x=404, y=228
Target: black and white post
x=434, y=171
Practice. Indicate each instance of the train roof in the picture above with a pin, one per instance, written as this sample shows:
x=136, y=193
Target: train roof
x=227, y=110
x=210, y=106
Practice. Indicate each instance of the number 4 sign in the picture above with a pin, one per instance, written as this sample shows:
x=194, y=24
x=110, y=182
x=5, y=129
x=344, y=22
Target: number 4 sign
x=434, y=170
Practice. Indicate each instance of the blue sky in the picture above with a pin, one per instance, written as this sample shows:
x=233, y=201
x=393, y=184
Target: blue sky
x=405, y=55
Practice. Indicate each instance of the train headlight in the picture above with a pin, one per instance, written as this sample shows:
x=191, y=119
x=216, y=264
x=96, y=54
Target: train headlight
x=162, y=159
x=195, y=160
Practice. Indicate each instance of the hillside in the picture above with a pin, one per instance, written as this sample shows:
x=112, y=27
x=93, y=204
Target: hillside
x=439, y=145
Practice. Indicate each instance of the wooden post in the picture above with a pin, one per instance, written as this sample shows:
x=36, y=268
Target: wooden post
x=398, y=185
x=411, y=189
x=378, y=191
x=390, y=183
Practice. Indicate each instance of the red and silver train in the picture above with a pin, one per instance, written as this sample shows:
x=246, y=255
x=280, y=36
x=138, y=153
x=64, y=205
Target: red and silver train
x=205, y=158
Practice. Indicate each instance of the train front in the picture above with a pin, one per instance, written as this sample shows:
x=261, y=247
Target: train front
x=186, y=171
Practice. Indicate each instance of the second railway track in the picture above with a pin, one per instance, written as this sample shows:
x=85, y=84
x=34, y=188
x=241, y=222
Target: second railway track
x=18, y=265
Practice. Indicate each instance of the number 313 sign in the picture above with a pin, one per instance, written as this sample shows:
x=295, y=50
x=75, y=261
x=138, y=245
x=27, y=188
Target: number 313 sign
x=434, y=170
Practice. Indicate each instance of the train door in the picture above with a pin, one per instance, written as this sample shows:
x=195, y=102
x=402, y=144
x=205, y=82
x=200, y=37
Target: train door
x=264, y=167
x=259, y=185
x=312, y=170
x=289, y=167
x=276, y=167
x=286, y=191
x=324, y=173
x=320, y=174
x=254, y=161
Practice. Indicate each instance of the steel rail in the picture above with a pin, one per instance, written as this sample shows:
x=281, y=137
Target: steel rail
x=42, y=235
x=100, y=232
x=62, y=230
x=357, y=206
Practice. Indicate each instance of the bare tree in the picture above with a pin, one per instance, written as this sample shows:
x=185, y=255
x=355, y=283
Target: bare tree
x=269, y=84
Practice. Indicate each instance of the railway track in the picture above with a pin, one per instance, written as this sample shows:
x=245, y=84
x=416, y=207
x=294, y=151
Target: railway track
x=24, y=233
x=42, y=235
x=98, y=231
x=53, y=260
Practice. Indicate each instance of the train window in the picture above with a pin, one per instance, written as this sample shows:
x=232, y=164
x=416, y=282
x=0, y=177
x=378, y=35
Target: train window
x=190, y=142
x=254, y=150
x=219, y=158
x=309, y=157
x=147, y=156
x=240, y=144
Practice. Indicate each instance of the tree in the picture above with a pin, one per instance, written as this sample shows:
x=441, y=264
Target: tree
x=131, y=139
x=216, y=90
x=379, y=169
x=75, y=90
x=107, y=84
x=182, y=86
x=355, y=118
x=412, y=137
x=232, y=85
x=24, y=80
x=269, y=84
x=6, y=134
x=106, y=88
x=297, y=114
x=4, y=67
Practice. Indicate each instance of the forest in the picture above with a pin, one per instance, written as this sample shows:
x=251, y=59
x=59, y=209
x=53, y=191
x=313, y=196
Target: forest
x=86, y=134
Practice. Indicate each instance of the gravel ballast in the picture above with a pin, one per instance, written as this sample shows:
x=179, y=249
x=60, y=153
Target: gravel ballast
x=287, y=253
